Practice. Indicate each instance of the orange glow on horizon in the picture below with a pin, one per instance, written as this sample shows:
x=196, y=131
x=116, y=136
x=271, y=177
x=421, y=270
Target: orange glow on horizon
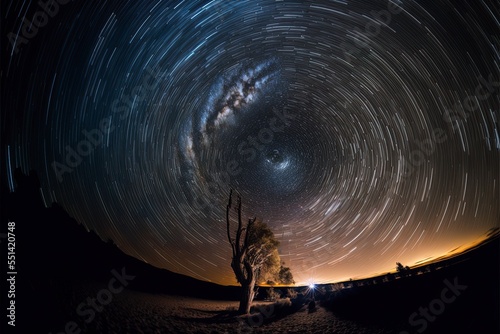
x=446, y=253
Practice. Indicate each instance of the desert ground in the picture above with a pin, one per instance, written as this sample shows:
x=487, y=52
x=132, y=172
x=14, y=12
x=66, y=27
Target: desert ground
x=138, y=312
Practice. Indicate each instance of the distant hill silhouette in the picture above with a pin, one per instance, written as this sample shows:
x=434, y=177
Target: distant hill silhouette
x=459, y=295
x=54, y=250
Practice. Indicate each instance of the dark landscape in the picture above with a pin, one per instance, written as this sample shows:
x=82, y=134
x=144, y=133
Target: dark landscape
x=270, y=166
x=65, y=264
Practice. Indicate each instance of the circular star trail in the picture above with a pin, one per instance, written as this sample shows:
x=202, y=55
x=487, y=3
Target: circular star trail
x=362, y=132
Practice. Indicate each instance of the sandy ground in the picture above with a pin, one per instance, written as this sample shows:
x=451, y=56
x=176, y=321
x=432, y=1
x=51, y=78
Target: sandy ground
x=136, y=312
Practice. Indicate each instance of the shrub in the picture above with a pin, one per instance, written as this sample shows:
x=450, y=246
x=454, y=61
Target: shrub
x=273, y=295
x=291, y=293
x=278, y=309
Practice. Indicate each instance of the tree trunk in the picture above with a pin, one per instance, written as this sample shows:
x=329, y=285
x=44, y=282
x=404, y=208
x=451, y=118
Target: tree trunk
x=248, y=292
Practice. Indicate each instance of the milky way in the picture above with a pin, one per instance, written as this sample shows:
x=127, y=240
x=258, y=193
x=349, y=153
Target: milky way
x=362, y=132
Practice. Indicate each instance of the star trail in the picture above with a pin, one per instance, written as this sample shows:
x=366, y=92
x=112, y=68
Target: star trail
x=362, y=132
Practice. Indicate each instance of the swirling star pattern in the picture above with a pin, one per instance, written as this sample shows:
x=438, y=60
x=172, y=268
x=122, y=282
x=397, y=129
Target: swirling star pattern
x=362, y=132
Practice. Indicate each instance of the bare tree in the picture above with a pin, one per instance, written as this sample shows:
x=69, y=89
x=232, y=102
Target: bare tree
x=254, y=251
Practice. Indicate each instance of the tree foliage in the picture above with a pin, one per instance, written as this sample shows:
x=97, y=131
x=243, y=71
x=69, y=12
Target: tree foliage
x=285, y=275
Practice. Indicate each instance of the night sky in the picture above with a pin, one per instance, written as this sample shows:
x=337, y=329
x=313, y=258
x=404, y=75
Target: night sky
x=362, y=132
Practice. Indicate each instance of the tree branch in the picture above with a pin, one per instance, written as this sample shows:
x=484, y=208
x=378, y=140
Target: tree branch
x=228, y=208
x=238, y=231
x=249, y=227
